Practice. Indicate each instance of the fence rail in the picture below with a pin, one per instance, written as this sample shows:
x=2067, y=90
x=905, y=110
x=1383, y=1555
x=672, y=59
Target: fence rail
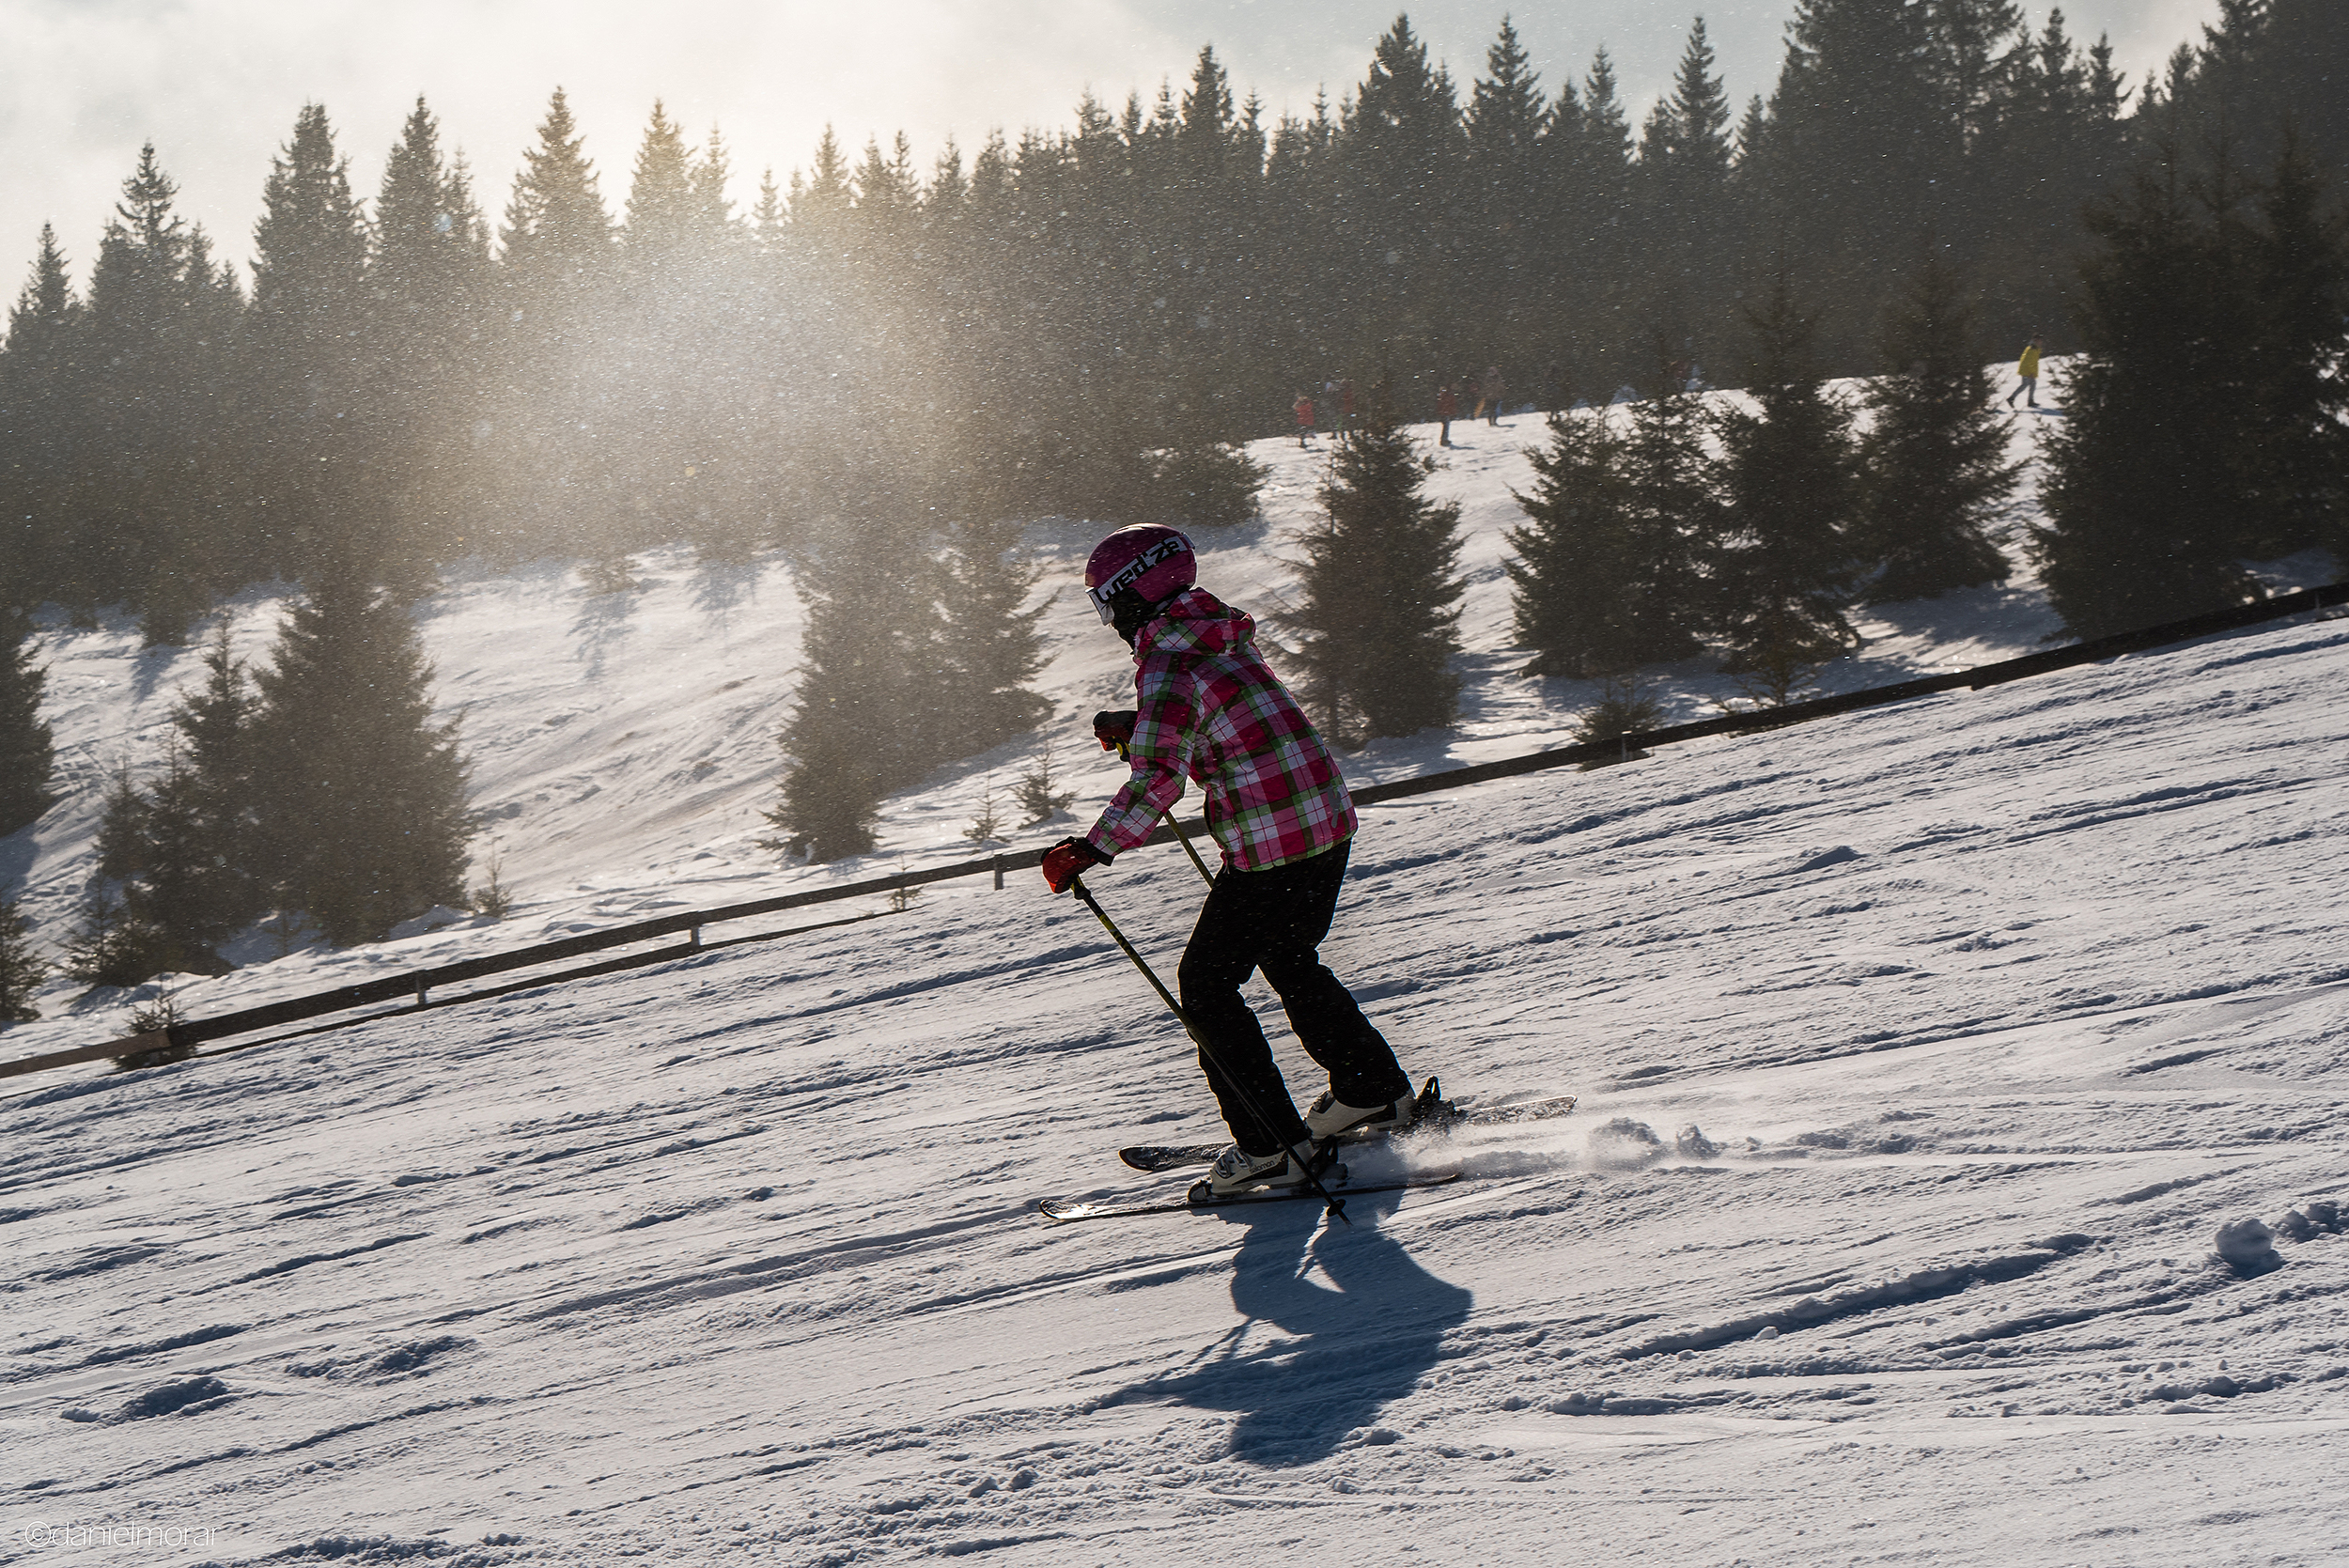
x=182, y=1039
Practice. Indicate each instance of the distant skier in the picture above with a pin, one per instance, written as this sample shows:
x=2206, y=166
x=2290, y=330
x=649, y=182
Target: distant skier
x=1279, y=809
x=1488, y=393
x=1447, y=410
x=1304, y=409
x=2028, y=368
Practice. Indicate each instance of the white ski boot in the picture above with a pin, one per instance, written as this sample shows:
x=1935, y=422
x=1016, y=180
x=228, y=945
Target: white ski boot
x=1331, y=1116
x=1235, y=1171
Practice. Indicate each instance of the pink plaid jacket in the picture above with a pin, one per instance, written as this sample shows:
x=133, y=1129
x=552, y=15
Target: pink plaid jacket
x=1211, y=709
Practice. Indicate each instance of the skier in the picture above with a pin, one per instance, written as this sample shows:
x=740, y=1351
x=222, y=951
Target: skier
x=1488, y=396
x=1447, y=410
x=1279, y=812
x=2028, y=368
x=1304, y=409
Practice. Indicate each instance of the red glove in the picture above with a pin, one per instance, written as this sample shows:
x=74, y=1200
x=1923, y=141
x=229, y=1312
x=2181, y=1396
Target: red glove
x=1114, y=728
x=1069, y=859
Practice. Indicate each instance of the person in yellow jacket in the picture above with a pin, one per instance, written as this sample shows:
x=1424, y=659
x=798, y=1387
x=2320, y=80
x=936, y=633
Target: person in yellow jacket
x=2028, y=368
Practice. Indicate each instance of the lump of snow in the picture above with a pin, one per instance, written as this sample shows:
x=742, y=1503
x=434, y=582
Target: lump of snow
x=171, y=1398
x=2248, y=1246
x=1770, y=1331
x=1690, y=1142
x=1624, y=1141
x=431, y=920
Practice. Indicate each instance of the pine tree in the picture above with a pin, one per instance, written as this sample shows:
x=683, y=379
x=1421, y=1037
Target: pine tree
x=183, y=849
x=1378, y=586
x=1683, y=184
x=1605, y=576
x=1852, y=172
x=108, y=945
x=987, y=644
x=820, y=202
x=430, y=238
x=1399, y=164
x=157, y=347
x=867, y=716
x=27, y=754
x=309, y=276
x=363, y=803
x=2297, y=478
x=2144, y=496
x=429, y=287
x=712, y=209
x=556, y=484
x=39, y=386
x=20, y=969
x=172, y=895
x=556, y=231
x=1783, y=567
x=2302, y=45
x=1502, y=143
x=1934, y=458
x=310, y=253
x=1968, y=62
x=661, y=203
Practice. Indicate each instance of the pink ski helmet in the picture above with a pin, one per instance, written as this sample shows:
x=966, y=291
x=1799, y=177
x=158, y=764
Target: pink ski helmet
x=1152, y=563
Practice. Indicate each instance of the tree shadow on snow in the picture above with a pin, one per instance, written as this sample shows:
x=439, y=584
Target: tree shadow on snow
x=600, y=629
x=1363, y=1321
x=720, y=586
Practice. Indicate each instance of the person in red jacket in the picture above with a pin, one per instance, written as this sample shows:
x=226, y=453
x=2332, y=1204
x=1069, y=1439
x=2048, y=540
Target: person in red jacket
x=1212, y=711
x=1447, y=410
x=1304, y=409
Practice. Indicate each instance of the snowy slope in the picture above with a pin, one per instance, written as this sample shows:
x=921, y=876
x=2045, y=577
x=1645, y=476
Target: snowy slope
x=1991, y=1009
x=624, y=746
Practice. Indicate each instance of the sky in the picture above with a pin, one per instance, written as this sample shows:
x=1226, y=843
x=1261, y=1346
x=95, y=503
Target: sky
x=216, y=84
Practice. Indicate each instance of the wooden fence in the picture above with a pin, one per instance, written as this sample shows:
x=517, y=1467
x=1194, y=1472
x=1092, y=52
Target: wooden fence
x=183, y=1039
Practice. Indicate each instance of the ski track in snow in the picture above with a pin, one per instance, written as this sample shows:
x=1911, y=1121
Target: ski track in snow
x=1991, y=1009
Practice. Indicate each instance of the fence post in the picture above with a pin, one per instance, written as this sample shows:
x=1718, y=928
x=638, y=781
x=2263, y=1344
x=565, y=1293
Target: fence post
x=694, y=938
x=420, y=992
x=999, y=874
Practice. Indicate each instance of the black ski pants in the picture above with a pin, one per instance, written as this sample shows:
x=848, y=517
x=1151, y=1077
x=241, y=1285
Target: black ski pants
x=1274, y=921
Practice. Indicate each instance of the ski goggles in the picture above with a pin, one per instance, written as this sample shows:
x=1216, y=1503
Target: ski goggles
x=1132, y=572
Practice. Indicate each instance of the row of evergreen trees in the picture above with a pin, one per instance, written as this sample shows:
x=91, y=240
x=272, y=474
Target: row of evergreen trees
x=1076, y=321
x=2208, y=425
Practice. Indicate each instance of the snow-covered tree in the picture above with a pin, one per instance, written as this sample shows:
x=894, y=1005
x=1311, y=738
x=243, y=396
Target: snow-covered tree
x=1935, y=457
x=27, y=752
x=1784, y=568
x=1378, y=586
x=361, y=794
x=21, y=969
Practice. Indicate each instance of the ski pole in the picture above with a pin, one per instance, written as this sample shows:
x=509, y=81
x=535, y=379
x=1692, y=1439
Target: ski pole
x=1189, y=848
x=1084, y=895
x=1125, y=754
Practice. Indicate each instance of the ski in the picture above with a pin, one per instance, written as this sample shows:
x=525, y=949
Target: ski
x=1433, y=1113
x=1061, y=1213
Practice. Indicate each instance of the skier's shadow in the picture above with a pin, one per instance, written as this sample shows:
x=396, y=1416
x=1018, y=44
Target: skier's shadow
x=1365, y=1320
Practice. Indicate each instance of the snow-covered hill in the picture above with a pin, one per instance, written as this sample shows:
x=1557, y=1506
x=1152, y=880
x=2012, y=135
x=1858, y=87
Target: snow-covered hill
x=1924, y=1053
x=624, y=746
